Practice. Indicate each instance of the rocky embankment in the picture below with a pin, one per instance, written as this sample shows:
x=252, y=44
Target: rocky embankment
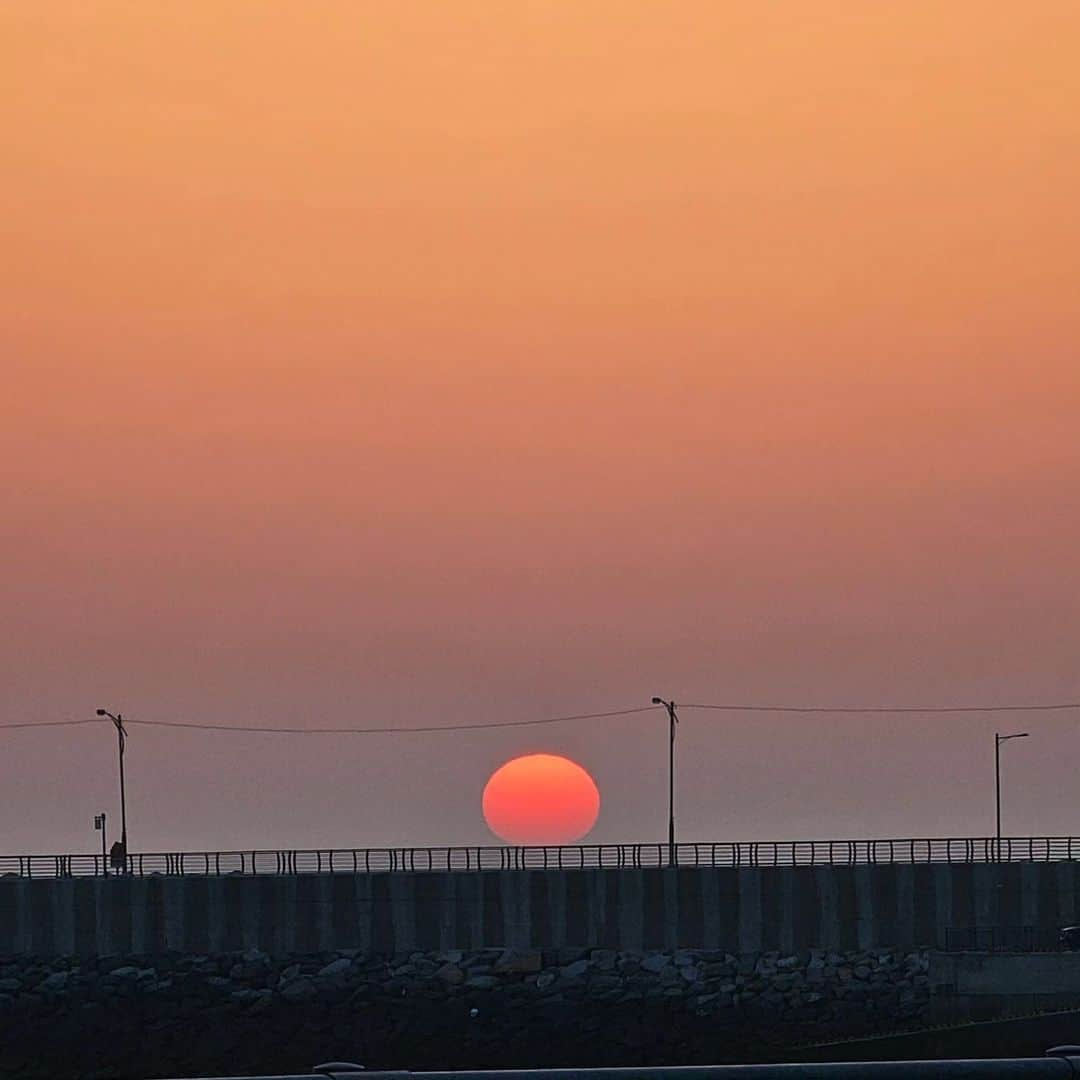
x=237, y=1013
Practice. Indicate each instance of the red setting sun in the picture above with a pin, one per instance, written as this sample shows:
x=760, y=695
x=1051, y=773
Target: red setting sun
x=541, y=799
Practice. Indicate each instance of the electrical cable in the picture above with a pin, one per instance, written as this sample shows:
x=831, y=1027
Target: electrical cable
x=390, y=730
x=497, y=724
x=50, y=723
x=836, y=709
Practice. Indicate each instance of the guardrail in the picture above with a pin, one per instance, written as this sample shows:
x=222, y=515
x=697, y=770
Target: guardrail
x=583, y=857
x=1057, y=1065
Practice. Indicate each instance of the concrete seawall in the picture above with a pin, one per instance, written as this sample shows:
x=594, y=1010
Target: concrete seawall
x=743, y=910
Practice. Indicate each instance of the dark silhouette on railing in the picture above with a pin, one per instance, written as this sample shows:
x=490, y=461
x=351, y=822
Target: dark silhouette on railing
x=585, y=857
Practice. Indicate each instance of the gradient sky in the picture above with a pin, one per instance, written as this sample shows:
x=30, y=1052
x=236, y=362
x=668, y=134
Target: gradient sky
x=402, y=363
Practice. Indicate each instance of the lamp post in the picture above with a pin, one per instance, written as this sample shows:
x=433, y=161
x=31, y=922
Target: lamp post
x=121, y=735
x=673, y=719
x=998, y=740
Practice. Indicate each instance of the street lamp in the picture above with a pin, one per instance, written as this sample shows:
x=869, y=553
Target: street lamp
x=121, y=735
x=998, y=740
x=673, y=719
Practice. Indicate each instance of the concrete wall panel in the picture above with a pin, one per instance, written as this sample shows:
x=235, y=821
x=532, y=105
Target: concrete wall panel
x=744, y=910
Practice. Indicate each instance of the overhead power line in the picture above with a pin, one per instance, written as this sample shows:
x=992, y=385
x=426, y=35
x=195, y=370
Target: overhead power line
x=427, y=728
x=50, y=723
x=835, y=709
x=1061, y=706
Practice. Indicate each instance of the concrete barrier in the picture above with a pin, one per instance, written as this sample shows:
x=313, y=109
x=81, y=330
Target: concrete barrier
x=743, y=910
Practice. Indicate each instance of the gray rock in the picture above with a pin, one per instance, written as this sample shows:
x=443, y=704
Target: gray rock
x=655, y=962
x=302, y=989
x=603, y=959
x=247, y=970
x=575, y=970
x=481, y=982
x=450, y=974
x=522, y=962
x=336, y=969
x=569, y=956
x=290, y=973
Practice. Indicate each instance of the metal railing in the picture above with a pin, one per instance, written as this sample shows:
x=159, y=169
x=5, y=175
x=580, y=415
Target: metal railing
x=583, y=857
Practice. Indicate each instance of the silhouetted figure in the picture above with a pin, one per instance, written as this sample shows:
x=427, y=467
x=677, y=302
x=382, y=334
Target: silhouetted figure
x=118, y=857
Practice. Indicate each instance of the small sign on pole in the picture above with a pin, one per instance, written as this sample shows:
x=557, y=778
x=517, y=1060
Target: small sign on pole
x=99, y=826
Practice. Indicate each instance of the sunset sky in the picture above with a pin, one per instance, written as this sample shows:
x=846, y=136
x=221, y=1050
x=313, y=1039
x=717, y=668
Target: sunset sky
x=402, y=363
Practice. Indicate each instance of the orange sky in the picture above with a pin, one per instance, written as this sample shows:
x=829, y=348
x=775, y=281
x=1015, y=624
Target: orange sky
x=428, y=362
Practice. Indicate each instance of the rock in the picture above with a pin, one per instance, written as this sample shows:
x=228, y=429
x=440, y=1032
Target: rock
x=521, y=962
x=450, y=974
x=125, y=972
x=10, y=986
x=54, y=982
x=655, y=962
x=336, y=969
x=481, y=982
x=545, y=979
x=566, y=955
x=242, y=972
x=575, y=970
x=603, y=959
x=302, y=989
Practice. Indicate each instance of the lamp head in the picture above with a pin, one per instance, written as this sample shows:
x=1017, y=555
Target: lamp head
x=103, y=712
x=658, y=701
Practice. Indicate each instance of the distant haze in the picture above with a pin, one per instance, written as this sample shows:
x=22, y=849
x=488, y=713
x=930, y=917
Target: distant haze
x=403, y=363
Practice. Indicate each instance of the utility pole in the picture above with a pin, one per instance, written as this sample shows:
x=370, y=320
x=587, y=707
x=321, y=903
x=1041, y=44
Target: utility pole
x=998, y=740
x=121, y=735
x=673, y=720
